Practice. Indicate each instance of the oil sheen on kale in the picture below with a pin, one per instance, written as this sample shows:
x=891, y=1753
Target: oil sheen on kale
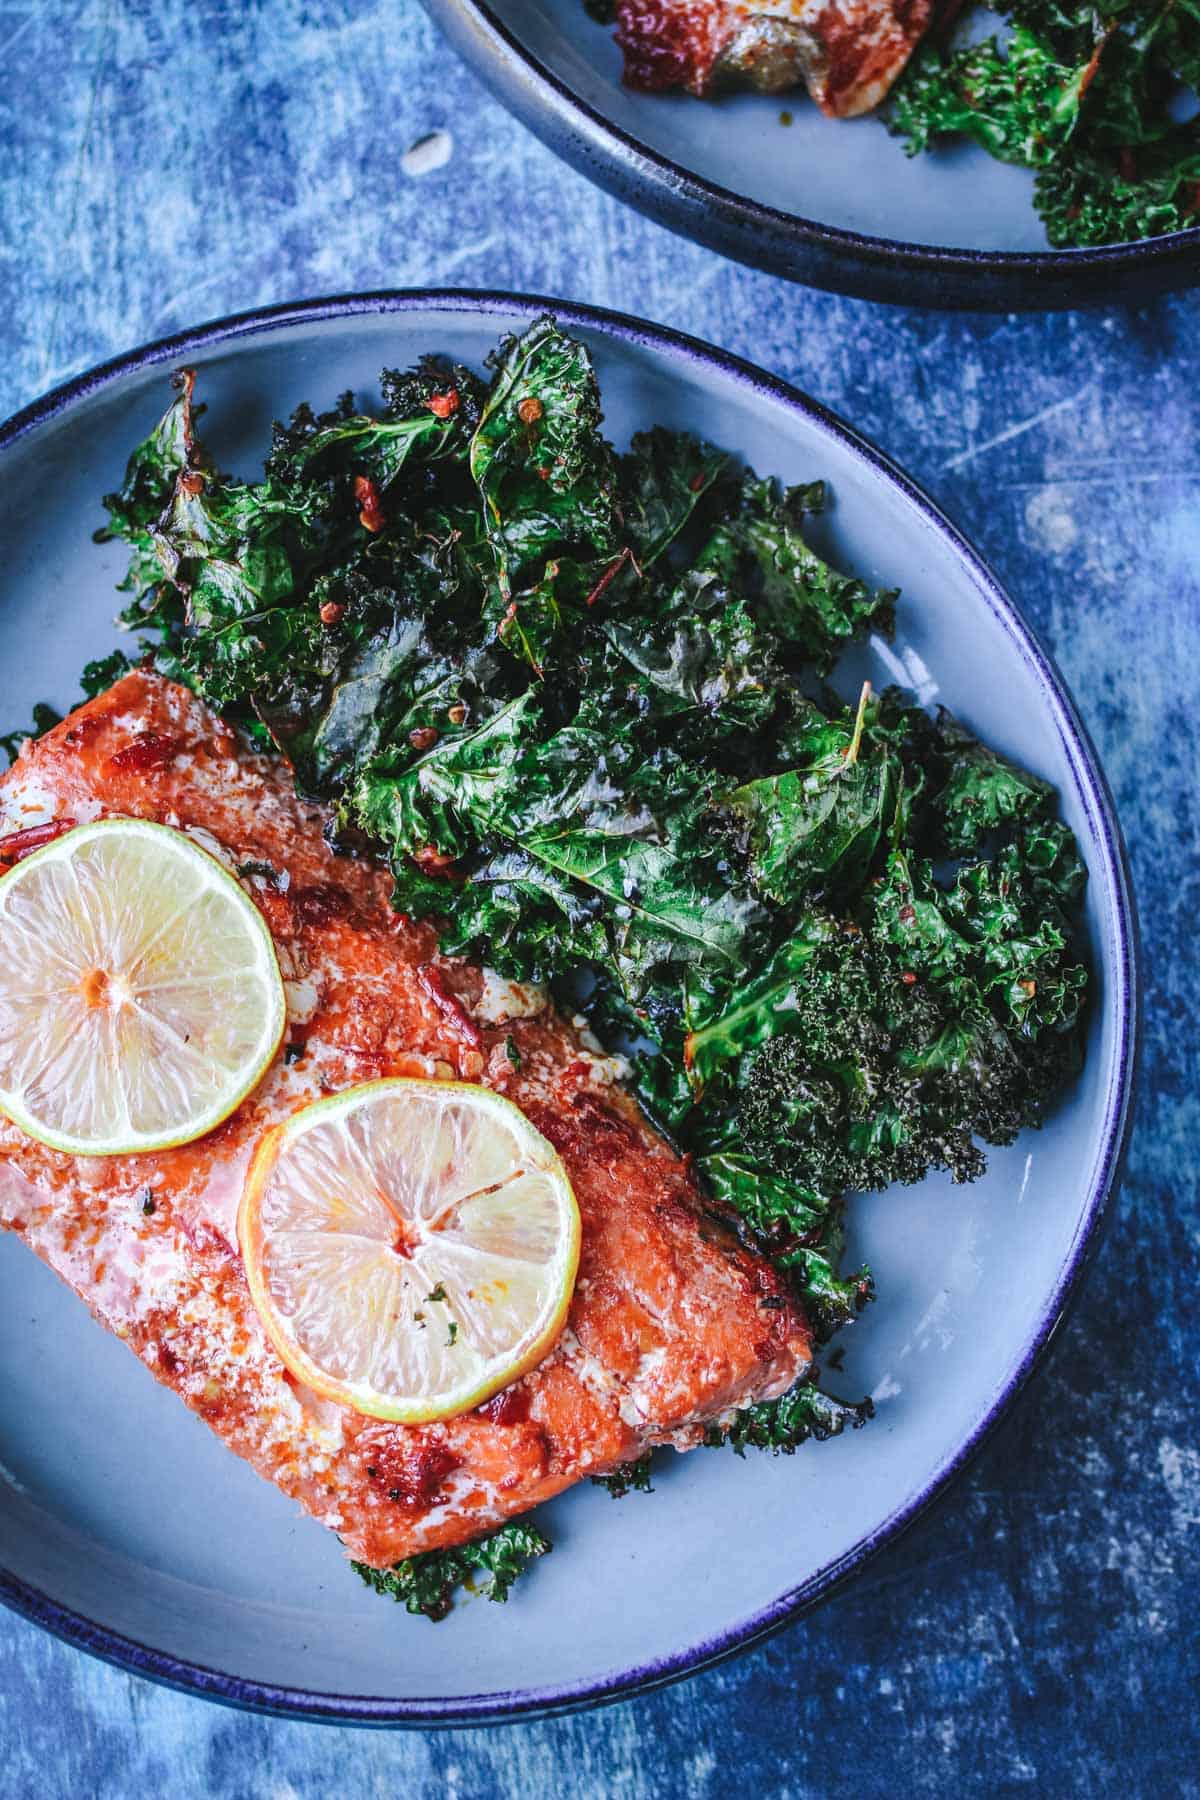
x=1100, y=102
x=577, y=699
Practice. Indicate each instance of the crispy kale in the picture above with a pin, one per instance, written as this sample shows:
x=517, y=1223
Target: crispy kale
x=892, y=1034
x=574, y=698
x=805, y=1412
x=1084, y=96
x=1111, y=194
x=98, y=676
x=630, y=1478
x=425, y=1583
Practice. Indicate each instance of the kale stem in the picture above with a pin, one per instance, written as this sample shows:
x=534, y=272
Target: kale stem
x=852, y=749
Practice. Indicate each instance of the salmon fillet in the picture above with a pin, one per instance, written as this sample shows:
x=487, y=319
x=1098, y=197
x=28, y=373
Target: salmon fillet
x=673, y=1323
x=847, y=53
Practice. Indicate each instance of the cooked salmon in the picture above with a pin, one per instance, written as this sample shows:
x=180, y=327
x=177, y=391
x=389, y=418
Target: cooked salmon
x=673, y=1323
x=847, y=53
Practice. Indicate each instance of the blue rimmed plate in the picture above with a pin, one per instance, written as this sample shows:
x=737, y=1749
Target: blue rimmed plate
x=129, y=1530
x=835, y=204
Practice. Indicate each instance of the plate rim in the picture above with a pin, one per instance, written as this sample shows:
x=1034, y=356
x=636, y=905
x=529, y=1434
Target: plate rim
x=893, y=270
x=180, y=1673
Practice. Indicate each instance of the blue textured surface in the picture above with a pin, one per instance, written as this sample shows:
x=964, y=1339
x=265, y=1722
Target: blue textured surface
x=1038, y=1634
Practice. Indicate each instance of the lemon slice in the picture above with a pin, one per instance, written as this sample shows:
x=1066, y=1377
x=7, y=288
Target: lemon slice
x=411, y=1246
x=140, y=998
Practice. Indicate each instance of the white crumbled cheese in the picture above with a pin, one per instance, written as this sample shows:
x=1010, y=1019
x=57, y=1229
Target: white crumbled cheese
x=590, y=1370
x=302, y=1000
x=637, y=1408
x=25, y=802
x=605, y=1070
x=20, y=1199
x=502, y=1000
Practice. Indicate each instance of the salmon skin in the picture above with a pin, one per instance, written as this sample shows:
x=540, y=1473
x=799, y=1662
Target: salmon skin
x=847, y=53
x=673, y=1324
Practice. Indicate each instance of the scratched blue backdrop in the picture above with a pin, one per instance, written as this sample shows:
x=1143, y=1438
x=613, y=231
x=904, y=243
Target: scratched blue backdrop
x=163, y=163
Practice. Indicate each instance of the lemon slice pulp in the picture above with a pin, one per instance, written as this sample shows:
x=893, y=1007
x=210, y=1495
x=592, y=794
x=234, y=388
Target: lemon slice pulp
x=140, y=996
x=411, y=1246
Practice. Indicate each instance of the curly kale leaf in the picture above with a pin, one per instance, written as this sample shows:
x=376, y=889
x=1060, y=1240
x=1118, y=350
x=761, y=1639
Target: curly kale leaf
x=801, y=1228
x=665, y=476
x=456, y=792
x=981, y=792
x=873, y=1047
x=380, y=693
x=805, y=1412
x=950, y=1016
x=579, y=822
x=346, y=443
x=525, y=919
x=814, y=829
x=814, y=611
x=425, y=1583
x=722, y=1027
x=429, y=416
x=995, y=937
x=1106, y=195
x=1085, y=98
x=629, y=1478
x=217, y=565
x=548, y=481
x=1019, y=102
x=308, y=600
x=135, y=508
x=98, y=676
x=155, y=466
x=700, y=651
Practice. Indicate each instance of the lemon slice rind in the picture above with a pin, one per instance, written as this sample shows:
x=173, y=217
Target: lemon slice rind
x=474, y=1296
x=90, y=897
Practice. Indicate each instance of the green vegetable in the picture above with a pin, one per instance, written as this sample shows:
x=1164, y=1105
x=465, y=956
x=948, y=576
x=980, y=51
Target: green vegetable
x=782, y=1425
x=547, y=479
x=629, y=1478
x=1107, y=195
x=1087, y=98
x=573, y=698
x=99, y=676
x=425, y=1583
x=814, y=829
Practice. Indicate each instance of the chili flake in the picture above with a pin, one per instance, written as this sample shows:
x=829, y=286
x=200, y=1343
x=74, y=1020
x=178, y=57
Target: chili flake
x=368, y=497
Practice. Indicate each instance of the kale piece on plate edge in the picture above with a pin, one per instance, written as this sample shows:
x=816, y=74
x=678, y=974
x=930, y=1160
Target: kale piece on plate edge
x=1088, y=97
x=425, y=1583
x=574, y=698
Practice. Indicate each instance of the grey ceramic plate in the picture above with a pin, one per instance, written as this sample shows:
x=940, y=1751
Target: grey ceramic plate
x=127, y=1528
x=837, y=205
